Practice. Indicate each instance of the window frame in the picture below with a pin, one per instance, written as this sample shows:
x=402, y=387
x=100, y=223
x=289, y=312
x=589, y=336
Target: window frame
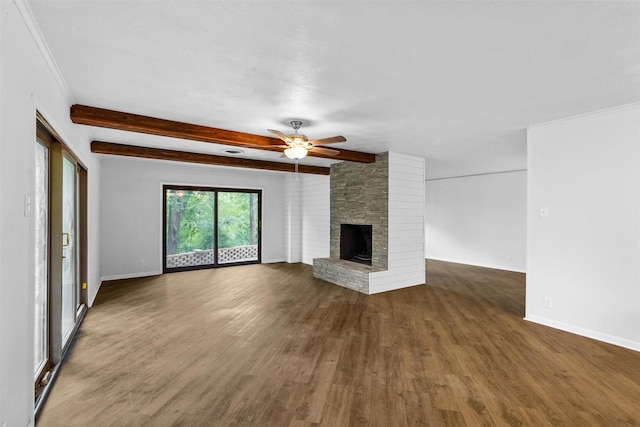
x=216, y=190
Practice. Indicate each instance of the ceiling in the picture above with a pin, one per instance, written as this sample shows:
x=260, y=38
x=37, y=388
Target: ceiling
x=457, y=83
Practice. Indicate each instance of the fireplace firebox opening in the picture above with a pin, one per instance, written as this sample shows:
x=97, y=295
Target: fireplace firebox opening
x=355, y=243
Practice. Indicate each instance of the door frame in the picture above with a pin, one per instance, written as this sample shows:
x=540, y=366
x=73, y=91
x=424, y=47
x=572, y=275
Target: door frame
x=58, y=349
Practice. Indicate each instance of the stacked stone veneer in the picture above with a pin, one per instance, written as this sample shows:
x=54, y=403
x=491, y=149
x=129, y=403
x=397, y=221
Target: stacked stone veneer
x=388, y=195
x=360, y=195
x=349, y=274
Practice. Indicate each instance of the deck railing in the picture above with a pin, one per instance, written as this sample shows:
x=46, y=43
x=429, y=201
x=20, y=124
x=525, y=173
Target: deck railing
x=204, y=257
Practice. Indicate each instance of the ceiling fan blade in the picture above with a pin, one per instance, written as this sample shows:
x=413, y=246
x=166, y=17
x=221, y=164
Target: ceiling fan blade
x=326, y=151
x=280, y=135
x=330, y=140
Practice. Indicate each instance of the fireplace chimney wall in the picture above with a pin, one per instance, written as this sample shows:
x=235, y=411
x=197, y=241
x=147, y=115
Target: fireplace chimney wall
x=360, y=195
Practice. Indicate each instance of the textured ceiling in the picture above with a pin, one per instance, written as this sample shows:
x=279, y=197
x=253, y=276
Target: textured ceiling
x=454, y=82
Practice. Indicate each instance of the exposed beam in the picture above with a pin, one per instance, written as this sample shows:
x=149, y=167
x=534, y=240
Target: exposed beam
x=100, y=147
x=100, y=117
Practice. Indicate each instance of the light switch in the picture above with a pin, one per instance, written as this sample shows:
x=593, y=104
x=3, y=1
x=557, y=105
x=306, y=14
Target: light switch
x=544, y=212
x=27, y=205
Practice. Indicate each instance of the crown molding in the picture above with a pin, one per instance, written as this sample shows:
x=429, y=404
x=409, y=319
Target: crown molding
x=584, y=116
x=43, y=47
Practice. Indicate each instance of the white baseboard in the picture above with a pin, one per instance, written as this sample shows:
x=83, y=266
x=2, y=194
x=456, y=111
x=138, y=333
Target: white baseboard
x=494, y=266
x=599, y=336
x=272, y=261
x=103, y=279
x=130, y=276
x=94, y=294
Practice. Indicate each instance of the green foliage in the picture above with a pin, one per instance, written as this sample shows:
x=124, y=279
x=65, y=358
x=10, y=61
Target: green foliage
x=190, y=216
x=233, y=220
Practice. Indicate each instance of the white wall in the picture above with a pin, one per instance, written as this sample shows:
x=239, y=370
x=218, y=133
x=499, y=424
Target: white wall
x=478, y=220
x=132, y=210
x=292, y=217
x=316, y=217
x=406, y=265
x=29, y=81
x=585, y=256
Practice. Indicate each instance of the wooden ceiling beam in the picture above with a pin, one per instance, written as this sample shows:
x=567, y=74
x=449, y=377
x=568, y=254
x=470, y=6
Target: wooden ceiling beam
x=100, y=147
x=100, y=117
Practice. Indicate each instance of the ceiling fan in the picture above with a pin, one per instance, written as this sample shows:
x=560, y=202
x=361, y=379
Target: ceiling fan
x=298, y=145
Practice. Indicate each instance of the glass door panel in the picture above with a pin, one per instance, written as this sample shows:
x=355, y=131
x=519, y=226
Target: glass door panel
x=189, y=223
x=41, y=215
x=69, y=249
x=238, y=229
x=206, y=227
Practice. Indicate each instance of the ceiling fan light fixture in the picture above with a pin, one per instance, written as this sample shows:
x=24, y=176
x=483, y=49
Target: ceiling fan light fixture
x=298, y=145
x=295, y=153
x=298, y=139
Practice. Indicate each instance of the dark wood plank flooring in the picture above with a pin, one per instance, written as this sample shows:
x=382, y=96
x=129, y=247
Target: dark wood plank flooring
x=269, y=345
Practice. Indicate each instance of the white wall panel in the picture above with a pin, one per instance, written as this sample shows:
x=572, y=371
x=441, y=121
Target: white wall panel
x=478, y=220
x=131, y=232
x=30, y=81
x=406, y=226
x=585, y=255
x=292, y=233
x=316, y=215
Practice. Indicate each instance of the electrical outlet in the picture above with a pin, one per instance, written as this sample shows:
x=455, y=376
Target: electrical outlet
x=548, y=302
x=141, y=262
x=543, y=212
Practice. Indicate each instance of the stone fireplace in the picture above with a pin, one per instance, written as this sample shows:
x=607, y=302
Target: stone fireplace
x=376, y=225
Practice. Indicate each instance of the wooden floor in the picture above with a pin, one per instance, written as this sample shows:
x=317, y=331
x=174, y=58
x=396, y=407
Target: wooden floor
x=268, y=345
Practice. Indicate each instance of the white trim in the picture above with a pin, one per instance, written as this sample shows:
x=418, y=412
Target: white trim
x=527, y=249
x=584, y=115
x=493, y=266
x=129, y=276
x=272, y=261
x=588, y=333
x=475, y=174
x=91, y=298
x=43, y=47
x=103, y=279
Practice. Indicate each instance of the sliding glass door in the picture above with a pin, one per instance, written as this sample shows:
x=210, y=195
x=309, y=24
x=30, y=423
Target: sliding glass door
x=207, y=227
x=189, y=230
x=59, y=255
x=70, y=288
x=41, y=215
x=237, y=227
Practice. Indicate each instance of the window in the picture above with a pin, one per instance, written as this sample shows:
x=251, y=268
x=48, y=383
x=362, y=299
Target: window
x=209, y=227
